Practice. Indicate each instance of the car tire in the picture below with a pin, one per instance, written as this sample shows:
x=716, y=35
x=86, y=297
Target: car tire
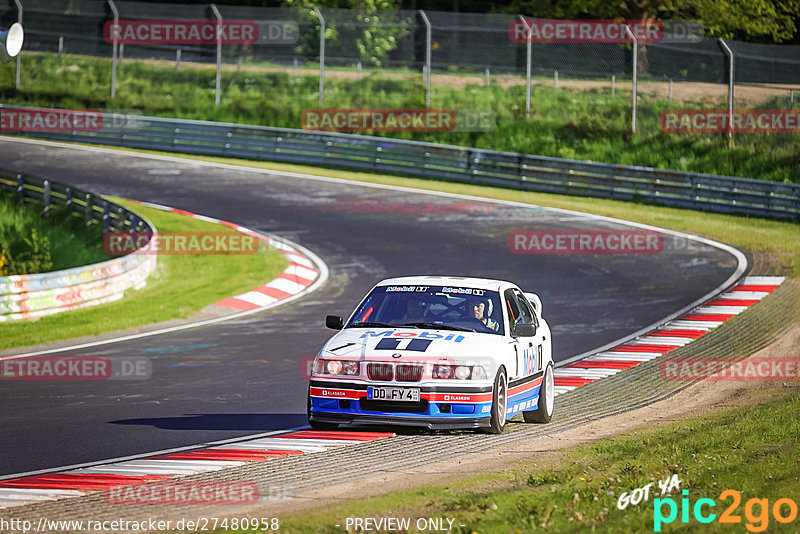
x=544, y=411
x=497, y=421
x=316, y=425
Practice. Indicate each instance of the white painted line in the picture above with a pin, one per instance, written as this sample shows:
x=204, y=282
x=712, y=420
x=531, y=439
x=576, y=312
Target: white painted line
x=744, y=295
x=254, y=297
x=673, y=325
x=207, y=219
x=300, y=271
x=158, y=467
x=286, y=285
x=621, y=357
x=627, y=355
x=297, y=258
x=725, y=310
x=763, y=280
x=662, y=340
x=696, y=324
x=274, y=442
x=139, y=471
x=257, y=447
x=563, y=372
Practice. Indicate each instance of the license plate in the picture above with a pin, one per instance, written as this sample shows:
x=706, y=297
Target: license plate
x=393, y=394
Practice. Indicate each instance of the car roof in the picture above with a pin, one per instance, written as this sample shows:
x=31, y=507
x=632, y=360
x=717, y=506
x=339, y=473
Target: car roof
x=457, y=281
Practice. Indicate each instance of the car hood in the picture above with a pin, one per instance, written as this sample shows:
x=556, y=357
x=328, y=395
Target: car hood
x=384, y=344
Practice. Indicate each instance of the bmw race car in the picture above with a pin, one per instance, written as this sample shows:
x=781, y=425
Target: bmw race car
x=436, y=352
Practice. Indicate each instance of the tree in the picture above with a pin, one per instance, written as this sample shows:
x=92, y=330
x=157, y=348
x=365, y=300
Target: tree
x=771, y=20
x=371, y=28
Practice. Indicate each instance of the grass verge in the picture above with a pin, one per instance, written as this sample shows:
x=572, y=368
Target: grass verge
x=65, y=241
x=751, y=449
x=180, y=287
x=587, y=124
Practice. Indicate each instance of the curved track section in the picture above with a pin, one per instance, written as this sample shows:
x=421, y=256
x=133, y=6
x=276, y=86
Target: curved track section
x=246, y=376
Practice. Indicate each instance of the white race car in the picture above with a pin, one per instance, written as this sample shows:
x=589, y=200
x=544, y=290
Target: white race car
x=437, y=352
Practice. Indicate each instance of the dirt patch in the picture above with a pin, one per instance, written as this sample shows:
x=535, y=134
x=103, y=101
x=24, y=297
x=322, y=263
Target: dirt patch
x=699, y=399
x=708, y=93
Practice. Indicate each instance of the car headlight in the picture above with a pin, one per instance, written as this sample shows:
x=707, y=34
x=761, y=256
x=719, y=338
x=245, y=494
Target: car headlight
x=335, y=367
x=478, y=373
x=462, y=372
x=459, y=372
x=445, y=372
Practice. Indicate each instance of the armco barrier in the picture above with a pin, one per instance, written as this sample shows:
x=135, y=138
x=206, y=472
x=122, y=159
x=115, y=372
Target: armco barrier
x=446, y=162
x=37, y=295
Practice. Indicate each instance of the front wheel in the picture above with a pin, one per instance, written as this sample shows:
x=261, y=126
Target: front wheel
x=316, y=425
x=497, y=422
x=544, y=411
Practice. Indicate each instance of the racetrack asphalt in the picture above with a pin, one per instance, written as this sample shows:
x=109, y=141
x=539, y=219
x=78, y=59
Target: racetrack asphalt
x=245, y=376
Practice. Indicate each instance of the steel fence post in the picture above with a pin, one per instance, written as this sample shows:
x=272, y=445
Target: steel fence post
x=46, y=199
x=635, y=75
x=321, y=56
x=529, y=38
x=19, y=56
x=87, y=209
x=731, y=78
x=428, y=45
x=219, y=52
x=21, y=189
x=114, y=48
x=106, y=216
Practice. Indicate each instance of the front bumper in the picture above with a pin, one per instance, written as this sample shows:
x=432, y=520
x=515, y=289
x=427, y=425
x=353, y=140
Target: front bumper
x=440, y=407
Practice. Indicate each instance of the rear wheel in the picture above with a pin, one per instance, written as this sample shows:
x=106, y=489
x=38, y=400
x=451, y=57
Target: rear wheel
x=497, y=421
x=544, y=411
x=316, y=425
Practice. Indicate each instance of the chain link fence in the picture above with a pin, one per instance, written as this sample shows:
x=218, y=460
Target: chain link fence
x=450, y=50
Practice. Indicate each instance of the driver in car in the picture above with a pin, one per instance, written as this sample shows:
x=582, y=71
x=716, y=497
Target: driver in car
x=477, y=309
x=415, y=312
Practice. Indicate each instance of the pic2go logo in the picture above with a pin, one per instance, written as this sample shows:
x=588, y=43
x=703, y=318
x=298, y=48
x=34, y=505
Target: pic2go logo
x=756, y=511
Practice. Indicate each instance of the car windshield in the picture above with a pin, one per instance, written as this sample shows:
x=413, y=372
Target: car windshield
x=431, y=307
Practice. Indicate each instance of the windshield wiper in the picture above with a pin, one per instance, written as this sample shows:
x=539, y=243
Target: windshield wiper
x=372, y=325
x=440, y=326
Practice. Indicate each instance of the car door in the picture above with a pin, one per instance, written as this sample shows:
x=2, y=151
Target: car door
x=529, y=348
x=517, y=315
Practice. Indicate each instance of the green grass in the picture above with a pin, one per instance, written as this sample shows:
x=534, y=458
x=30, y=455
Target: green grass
x=180, y=287
x=70, y=242
x=752, y=449
x=587, y=125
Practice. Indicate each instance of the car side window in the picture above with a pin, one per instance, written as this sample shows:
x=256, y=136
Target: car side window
x=512, y=307
x=528, y=315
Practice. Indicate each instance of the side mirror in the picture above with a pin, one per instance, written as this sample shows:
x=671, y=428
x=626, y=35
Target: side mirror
x=334, y=322
x=523, y=330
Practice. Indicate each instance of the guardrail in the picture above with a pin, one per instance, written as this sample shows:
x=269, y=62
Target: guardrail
x=35, y=295
x=446, y=162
